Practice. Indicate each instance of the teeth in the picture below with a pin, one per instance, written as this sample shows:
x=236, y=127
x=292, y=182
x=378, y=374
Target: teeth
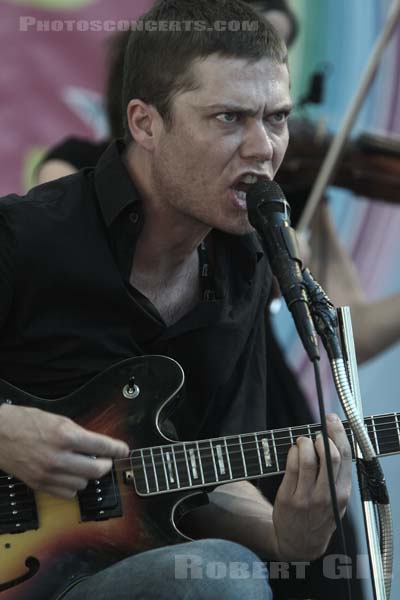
x=241, y=195
x=249, y=179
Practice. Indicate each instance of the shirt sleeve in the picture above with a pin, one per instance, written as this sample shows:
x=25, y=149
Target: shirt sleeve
x=7, y=266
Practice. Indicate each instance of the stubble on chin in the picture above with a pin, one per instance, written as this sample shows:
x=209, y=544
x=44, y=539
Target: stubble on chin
x=239, y=228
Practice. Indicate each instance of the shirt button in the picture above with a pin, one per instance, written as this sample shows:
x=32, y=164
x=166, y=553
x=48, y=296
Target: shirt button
x=134, y=217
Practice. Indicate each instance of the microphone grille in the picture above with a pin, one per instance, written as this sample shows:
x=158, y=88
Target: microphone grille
x=263, y=190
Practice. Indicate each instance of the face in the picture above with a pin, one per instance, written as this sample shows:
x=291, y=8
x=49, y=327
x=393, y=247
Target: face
x=232, y=127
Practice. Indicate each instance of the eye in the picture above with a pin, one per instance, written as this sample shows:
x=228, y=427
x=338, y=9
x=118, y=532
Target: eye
x=228, y=117
x=280, y=117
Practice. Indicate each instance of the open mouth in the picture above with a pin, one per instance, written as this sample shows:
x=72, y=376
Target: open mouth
x=240, y=192
x=241, y=187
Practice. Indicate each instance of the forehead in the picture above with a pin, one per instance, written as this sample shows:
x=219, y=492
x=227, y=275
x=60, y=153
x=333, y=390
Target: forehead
x=235, y=80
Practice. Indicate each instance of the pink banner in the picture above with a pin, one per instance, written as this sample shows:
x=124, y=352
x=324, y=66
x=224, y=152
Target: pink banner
x=52, y=74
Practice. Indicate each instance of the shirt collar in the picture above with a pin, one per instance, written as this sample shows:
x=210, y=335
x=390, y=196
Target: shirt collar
x=254, y=245
x=248, y=252
x=114, y=186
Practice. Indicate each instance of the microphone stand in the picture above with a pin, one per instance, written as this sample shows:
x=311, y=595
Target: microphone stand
x=312, y=310
x=380, y=554
x=373, y=490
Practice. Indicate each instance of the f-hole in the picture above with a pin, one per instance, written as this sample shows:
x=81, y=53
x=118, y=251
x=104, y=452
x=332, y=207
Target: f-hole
x=32, y=564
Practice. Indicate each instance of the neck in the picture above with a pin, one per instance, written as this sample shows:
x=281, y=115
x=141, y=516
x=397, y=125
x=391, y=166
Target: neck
x=169, y=238
x=185, y=465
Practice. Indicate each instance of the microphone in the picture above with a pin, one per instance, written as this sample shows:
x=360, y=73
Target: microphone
x=269, y=213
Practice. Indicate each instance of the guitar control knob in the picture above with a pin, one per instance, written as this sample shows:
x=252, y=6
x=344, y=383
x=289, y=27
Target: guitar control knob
x=131, y=390
x=5, y=401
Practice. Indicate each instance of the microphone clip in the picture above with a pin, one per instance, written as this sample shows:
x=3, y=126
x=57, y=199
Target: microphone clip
x=324, y=315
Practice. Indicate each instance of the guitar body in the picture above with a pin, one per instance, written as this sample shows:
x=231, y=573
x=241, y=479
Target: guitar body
x=73, y=538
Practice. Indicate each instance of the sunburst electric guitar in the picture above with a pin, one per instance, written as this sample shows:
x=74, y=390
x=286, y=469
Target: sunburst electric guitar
x=137, y=506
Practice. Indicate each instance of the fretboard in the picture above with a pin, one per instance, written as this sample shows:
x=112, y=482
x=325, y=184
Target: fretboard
x=187, y=465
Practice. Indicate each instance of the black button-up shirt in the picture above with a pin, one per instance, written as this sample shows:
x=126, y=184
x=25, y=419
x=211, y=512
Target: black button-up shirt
x=68, y=311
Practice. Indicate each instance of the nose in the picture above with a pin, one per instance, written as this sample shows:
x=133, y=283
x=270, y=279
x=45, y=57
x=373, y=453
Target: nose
x=256, y=143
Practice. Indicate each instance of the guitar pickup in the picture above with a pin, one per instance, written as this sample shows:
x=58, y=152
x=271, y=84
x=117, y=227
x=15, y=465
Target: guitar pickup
x=18, y=510
x=101, y=499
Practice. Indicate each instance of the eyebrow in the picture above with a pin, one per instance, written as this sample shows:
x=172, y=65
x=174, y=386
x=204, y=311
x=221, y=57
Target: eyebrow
x=229, y=107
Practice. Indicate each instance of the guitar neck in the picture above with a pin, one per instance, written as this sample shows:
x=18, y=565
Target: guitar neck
x=187, y=465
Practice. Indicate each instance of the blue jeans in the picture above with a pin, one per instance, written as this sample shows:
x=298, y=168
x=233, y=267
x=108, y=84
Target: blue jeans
x=200, y=570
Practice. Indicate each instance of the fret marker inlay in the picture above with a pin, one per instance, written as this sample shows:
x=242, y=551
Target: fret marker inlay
x=291, y=436
x=193, y=463
x=266, y=452
x=274, y=447
x=220, y=458
x=228, y=459
x=169, y=466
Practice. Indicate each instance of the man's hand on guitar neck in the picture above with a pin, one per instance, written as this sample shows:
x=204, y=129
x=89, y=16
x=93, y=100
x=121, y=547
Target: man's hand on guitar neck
x=51, y=453
x=303, y=516
x=300, y=524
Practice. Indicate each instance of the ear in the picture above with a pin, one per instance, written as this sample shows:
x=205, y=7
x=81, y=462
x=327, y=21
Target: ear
x=143, y=123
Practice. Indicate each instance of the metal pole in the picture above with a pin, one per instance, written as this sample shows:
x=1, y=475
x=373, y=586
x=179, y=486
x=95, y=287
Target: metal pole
x=377, y=571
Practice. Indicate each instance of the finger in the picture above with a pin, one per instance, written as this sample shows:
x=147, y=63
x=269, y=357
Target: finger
x=88, y=442
x=322, y=485
x=61, y=492
x=308, y=467
x=289, y=482
x=64, y=481
x=338, y=434
x=83, y=466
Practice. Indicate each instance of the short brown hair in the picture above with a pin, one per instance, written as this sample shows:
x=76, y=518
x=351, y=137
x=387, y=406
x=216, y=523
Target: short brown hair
x=116, y=46
x=157, y=62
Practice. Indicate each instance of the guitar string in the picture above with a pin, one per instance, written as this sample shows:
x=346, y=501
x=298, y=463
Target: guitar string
x=50, y=501
x=235, y=449
x=206, y=450
x=199, y=485
x=207, y=470
x=297, y=431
